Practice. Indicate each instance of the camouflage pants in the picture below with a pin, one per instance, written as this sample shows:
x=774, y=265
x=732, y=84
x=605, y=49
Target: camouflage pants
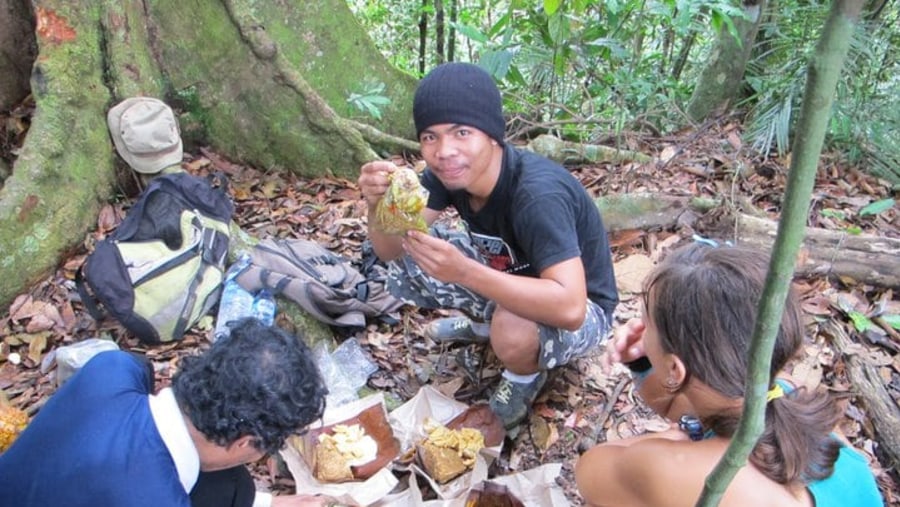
x=406, y=281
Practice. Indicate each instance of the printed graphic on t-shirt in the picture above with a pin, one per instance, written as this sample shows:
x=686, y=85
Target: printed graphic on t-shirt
x=497, y=252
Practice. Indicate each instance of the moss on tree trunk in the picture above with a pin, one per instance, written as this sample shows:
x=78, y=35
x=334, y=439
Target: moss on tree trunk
x=65, y=168
x=263, y=82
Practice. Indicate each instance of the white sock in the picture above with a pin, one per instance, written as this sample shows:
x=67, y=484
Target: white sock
x=520, y=379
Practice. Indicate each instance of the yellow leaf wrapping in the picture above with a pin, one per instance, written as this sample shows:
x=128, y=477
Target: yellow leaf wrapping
x=12, y=422
x=400, y=209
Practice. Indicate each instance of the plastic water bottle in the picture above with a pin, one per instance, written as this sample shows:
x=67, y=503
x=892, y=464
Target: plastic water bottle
x=235, y=302
x=264, y=307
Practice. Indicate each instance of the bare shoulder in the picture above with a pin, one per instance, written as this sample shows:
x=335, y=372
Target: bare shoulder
x=650, y=471
x=660, y=471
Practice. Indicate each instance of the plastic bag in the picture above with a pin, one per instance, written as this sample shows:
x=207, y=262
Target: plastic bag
x=400, y=209
x=345, y=370
x=70, y=358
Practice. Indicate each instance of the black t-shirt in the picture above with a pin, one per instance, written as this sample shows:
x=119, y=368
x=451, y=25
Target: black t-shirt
x=537, y=215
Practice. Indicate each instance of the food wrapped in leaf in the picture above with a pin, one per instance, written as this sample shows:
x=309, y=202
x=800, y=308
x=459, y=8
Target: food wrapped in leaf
x=400, y=209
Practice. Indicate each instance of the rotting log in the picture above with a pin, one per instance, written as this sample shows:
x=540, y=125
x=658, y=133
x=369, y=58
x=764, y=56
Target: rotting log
x=852, y=258
x=880, y=407
x=567, y=152
x=862, y=258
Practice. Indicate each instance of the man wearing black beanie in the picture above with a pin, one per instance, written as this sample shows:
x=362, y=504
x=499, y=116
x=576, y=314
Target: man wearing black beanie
x=532, y=272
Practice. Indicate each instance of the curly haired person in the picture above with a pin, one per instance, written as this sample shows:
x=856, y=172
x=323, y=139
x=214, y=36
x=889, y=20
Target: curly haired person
x=105, y=439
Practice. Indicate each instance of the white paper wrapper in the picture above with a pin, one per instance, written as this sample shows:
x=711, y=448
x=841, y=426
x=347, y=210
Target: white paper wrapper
x=536, y=486
x=363, y=493
x=407, y=421
x=532, y=487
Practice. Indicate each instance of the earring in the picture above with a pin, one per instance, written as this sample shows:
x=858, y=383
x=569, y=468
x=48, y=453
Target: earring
x=671, y=385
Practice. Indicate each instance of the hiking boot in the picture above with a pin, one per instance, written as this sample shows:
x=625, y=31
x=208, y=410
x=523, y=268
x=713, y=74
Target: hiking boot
x=512, y=400
x=453, y=330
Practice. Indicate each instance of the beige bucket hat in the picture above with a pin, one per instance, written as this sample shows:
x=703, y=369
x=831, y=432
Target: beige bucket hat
x=145, y=133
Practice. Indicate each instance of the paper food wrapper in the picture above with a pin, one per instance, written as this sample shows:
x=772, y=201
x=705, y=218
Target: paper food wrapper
x=536, y=486
x=379, y=482
x=407, y=421
x=531, y=487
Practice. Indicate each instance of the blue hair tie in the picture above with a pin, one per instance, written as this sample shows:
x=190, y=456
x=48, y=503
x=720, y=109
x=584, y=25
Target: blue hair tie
x=709, y=242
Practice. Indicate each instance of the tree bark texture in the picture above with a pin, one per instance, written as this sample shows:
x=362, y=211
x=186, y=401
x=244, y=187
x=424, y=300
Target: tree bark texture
x=720, y=81
x=263, y=83
x=17, y=50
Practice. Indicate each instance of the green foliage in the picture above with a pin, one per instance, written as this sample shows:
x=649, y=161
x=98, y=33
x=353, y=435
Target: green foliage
x=877, y=207
x=370, y=100
x=860, y=322
x=580, y=67
x=865, y=118
x=586, y=69
x=892, y=320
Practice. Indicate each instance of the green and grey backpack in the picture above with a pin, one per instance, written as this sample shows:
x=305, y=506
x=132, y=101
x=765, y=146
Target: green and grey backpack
x=162, y=268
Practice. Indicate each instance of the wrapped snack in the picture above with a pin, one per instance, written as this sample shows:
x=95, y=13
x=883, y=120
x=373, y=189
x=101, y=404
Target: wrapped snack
x=447, y=454
x=339, y=451
x=351, y=449
x=400, y=209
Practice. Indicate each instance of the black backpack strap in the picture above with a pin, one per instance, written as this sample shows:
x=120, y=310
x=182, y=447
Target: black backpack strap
x=184, y=318
x=91, y=304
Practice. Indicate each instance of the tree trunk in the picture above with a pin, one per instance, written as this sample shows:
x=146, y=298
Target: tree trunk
x=824, y=72
x=720, y=81
x=265, y=84
x=17, y=51
x=439, y=52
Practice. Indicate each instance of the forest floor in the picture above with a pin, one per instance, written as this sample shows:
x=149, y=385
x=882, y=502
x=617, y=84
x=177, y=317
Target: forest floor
x=580, y=404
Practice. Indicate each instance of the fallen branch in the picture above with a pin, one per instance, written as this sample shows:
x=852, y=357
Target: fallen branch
x=881, y=408
x=862, y=258
x=566, y=152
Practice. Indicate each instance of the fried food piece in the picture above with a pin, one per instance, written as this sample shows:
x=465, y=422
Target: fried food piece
x=400, y=209
x=331, y=466
x=442, y=463
x=12, y=422
x=343, y=448
x=447, y=453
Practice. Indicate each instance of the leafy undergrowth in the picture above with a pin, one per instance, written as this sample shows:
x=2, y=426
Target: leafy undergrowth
x=581, y=404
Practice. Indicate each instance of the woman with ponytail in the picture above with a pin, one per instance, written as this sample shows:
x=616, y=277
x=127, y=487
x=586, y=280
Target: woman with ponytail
x=689, y=351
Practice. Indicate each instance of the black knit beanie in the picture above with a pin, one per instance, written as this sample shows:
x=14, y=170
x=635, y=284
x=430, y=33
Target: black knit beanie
x=460, y=93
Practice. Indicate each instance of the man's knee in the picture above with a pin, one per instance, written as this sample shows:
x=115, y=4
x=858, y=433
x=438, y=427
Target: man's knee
x=514, y=339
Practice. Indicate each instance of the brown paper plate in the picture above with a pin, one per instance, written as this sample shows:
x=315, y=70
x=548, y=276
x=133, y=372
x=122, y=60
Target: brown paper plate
x=483, y=419
x=374, y=421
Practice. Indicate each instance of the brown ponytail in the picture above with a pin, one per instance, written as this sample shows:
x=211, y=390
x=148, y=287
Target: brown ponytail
x=703, y=301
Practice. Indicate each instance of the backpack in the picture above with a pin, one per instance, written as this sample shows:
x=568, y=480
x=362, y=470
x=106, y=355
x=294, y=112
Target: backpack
x=162, y=268
x=324, y=284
